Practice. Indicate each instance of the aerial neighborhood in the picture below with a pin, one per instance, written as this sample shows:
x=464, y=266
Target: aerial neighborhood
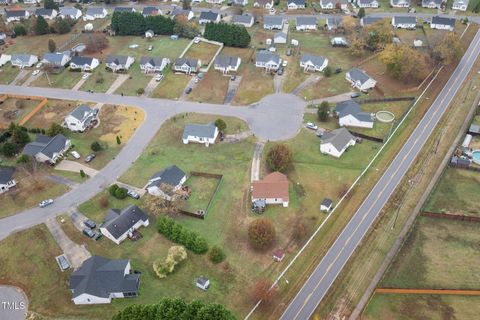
x=185, y=159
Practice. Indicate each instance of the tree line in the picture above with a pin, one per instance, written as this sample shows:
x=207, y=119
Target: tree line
x=230, y=35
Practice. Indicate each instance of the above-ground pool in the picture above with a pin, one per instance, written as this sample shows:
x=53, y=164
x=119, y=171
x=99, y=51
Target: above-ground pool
x=476, y=156
x=79, y=48
x=385, y=116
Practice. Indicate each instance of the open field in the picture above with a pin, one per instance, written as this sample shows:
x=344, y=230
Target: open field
x=203, y=189
x=172, y=85
x=99, y=80
x=255, y=85
x=212, y=88
x=36, y=45
x=136, y=80
x=65, y=79
x=7, y=74
x=203, y=51
x=13, y=110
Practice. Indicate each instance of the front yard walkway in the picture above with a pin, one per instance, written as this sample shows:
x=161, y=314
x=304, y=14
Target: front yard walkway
x=73, y=166
x=278, y=82
x=121, y=78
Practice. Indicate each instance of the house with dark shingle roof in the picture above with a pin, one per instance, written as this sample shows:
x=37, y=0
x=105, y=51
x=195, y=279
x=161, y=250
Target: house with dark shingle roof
x=83, y=63
x=350, y=115
x=334, y=23
x=310, y=62
x=150, y=11
x=47, y=14
x=360, y=79
x=208, y=16
x=98, y=280
x=336, y=142
x=153, y=64
x=243, y=19
x=56, y=59
x=443, y=23
x=295, y=4
x=267, y=60
x=200, y=133
x=6, y=179
x=166, y=182
x=273, y=189
x=119, y=63
x=368, y=20
x=305, y=23
x=187, y=66
x=47, y=149
x=80, y=119
x=120, y=224
x=273, y=22
x=23, y=60
x=403, y=22
x=70, y=12
x=124, y=9
x=178, y=11
x=95, y=13
x=225, y=64
x=16, y=15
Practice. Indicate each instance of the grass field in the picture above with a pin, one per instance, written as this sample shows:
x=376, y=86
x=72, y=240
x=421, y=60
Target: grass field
x=456, y=193
x=203, y=51
x=137, y=80
x=7, y=74
x=203, y=189
x=13, y=110
x=99, y=81
x=212, y=88
x=255, y=85
x=172, y=85
x=65, y=80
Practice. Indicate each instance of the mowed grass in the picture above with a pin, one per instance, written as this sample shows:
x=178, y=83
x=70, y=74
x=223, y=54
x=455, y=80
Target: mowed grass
x=202, y=190
x=203, y=51
x=456, y=193
x=99, y=80
x=294, y=74
x=8, y=73
x=439, y=253
x=137, y=80
x=20, y=107
x=212, y=88
x=36, y=45
x=65, y=79
x=255, y=84
x=171, y=86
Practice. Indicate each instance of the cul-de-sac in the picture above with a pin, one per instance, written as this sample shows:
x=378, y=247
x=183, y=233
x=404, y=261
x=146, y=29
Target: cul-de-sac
x=239, y=159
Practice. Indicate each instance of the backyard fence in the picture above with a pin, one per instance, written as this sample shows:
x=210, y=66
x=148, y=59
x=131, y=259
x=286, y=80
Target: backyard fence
x=450, y=216
x=366, y=137
x=459, y=166
x=33, y=112
x=463, y=292
x=379, y=100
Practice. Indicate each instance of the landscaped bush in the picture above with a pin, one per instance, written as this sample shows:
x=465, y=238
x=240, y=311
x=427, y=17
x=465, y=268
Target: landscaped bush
x=55, y=129
x=140, y=91
x=322, y=111
x=178, y=234
x=216, y=255
x=279, y=157
x=95, y=146
x=112, y=189
x=121, y=193
x=220, y=124
x=176, y=254
x=261, y=233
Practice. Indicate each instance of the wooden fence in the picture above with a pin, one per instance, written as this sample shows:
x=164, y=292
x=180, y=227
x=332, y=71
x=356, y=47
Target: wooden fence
x=391, y=99
x=457, y=217
x=29, y=115
x=462, y=292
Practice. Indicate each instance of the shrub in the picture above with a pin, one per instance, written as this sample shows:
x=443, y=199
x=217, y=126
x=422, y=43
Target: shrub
x=8, y=149
x=178, y=234
x=121, y=193
x=20, y=30
x=216, y=255
x=279, y=158
x=55, y=129
x=140, y=91
x=328, y=71
x=322, y=111
x=220, y=124
x=95, y=146
x=262, y=291
x=112, y=189
x=82, y=173
x=261, y=233
x=103, y=202
x=23, y=159
x=176, y=254
x=52, y=46
x=118, y=140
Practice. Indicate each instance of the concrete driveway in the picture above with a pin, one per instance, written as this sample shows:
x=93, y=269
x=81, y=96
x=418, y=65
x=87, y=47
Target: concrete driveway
x=73, y=166
x=152, y=84
x=232, y=89
x=32, y=78
x=20, y=76
x=121, y=78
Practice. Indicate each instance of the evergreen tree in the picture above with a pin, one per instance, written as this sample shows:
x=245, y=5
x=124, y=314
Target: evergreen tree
x=52, y=46
x=229, y=34
x=41, y=26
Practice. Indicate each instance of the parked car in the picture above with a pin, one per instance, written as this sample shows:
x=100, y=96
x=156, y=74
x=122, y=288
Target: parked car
x=355, y=95
x=196, y=80
x=133, y=194
x=62, y=261
x=284, y=63
x=280, y=71
x=338, y=70
x=97, y=236
x=39, y=65
x=188, y=90
x=45, y=203
x=158, y=77
x=75, y=154
x=85, y=76
x=196, y=40
x=150, y=48
x=88, y=232
x=311, y=125
x=289, y=52
x=90, y=157
x=90, y=224
x=233, y=78
x=35, y=72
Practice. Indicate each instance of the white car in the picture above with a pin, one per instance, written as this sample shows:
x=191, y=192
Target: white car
x=284, y=63
x=39, y=65
x=75, y=154
x=311, y=125
x=35, y=72
x=85, y=76
x=45, y=203
x=150, y=48
x=158, y=77
x=196, y=40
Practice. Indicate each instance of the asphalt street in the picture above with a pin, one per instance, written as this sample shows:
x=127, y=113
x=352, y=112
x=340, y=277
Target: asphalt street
x=320, y=281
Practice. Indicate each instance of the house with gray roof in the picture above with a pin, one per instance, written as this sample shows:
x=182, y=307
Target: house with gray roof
x=153, y=64
x=150, y=11
x=83, y=63
x=178, y=11
x=295, y=4
x=336, y=142
x=98, y=280
x=166, y=182
x=226, y=64
x=368, y=20
x=16, y=15
x=461, y=5
x=432, y=4
x=243, y=19
x=442, y=23
x=124, y=9
x=47, y=14
x=334, y=23
x=305, y=23
x=200, y=133
x=360, y=79
x=311, y=62
x=350, y=114
x=404, y=22
x=267, y=60
x=70, y=12
x=280, y=37
x=333, y=4
x=368, y=3
x=6, y=179
x=23, y=60
x=208, y=16
x=186, y=65
x=267, y=4
x=80, y=119
x=57, y=60
x=47, y=149
x=273, y=22
x=120, y=224
x=400, y=3
x=119, y=63
x=240, y=3
x=95, y=13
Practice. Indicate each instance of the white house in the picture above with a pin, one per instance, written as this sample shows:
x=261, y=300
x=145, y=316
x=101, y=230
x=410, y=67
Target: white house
x=47, y=149
x=443, y=23
x=402, y=22
x=350, y=115
x=326, y=205
x=336, y=142
x=4, y=58
x=461, y=5
x=339, y=42
x=268, y=60
x=200, y=133
x=241, y=3
x=273, y=22
x=119, y=63
x=359, y=79
x=70, y=12
x=226, y=64
x=166, y=182
x=432, y=4
x=244, y=20
x=153, y=64
x=310, y=62
x=84, y=64
x=47, y=14
x=178, y=11
x=187, y=66
x=56, y=59
x=98, y=280
x=16, y=15
x=305, y=23
x=6, y=179
x=368, y=3
x=295, y=4
x=267, y=4
x=80, y=119
x=208, y=16
x=400, y=3
x=23, y=60
x=214, y=1
x=120, y=224
x=280, y=38
x=95, y=13
x=334, y=23
x=273, y=189
x=333, y=4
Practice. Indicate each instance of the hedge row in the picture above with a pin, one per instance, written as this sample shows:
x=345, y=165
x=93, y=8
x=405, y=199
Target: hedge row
x=178, y=234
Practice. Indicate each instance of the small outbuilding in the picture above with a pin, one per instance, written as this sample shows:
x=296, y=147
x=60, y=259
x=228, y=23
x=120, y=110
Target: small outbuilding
x=278, y=255
x=326, y=205
x=203, y=283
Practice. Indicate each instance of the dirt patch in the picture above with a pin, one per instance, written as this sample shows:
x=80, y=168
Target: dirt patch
x=54, y=112
x=119, y=121
x=13, y=110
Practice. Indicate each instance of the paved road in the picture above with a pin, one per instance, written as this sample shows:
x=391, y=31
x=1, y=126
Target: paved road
x=313, y=291
x=13, y=303
x=276, y=117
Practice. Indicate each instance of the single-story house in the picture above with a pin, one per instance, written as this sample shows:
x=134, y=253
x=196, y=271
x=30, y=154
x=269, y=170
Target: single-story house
x=311, y=62
x=339, y=42
x=70, y=12
x=225, y=64
x=461, y=5
x=153, y=64
x=443, y=23
x=6, y=179
x=333, y=4
x=295, y=4
x=306, y=23
x=368, y=20
x=56, y=59
x=474, y=130
x=16, y=15
x=166, y=182
x=84, y=63
x=124, y=9
x=268, y=60
x=178, y=11
x=23, y=60
x=187, y=66
x=280, y=37
x=350, y=115
x=243, y=19
x=334, y=23
x=240, y=3
x=120, y=224
x=119, y=63
x=203, y=283
x=273, y=189
x=99, y=279
x=326, y=205
x=150, y=11
x=368, y=3
x=432, y=4
x=278, y=255
x=360, y=79
x=336, y=142
x=267, y=4
x=47, y=149
x=402, y=22
x=4, y=58
x=400, y=3
x=208, y=16
x=273, y=22
x=95, y=13
x=200, y=133
x=80, y=119
x=47, y=14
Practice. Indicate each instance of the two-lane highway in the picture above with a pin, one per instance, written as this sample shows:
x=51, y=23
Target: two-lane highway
x=320, y=281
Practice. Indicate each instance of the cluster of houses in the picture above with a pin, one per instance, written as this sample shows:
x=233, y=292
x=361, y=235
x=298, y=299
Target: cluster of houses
x=436, y=22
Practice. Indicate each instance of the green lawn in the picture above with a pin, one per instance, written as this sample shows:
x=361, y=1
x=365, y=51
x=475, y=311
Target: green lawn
x=172, y=85
x=163, y=46
x=99, y=80
x=295, y=75
x=203, y=189
x=7, y=74
x=203, y=51
x=137, y=80
x=212, y=88
x=255, y=85
x=65, y=80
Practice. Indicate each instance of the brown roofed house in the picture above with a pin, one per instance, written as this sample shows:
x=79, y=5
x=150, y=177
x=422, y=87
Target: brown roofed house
x=273, y=189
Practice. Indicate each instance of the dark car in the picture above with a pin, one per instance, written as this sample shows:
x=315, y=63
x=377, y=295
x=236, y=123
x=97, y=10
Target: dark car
x=355, y=95
x=188, y=90
x=97, y=236
x=89, y=224
x=338, y=70
x=280, y=71
x=88, y=232
x=233, y=78
x=90, y=157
